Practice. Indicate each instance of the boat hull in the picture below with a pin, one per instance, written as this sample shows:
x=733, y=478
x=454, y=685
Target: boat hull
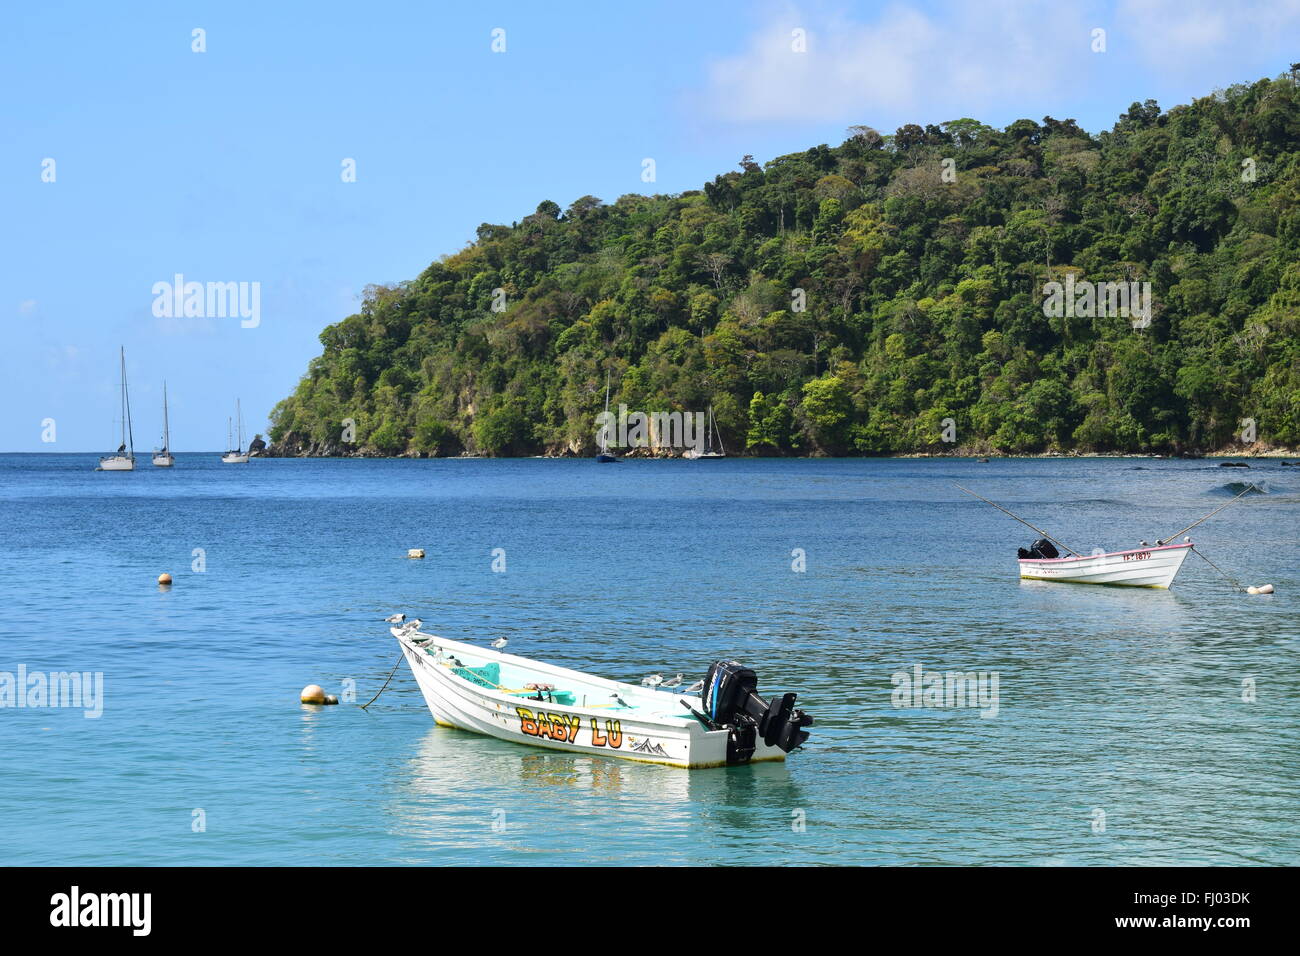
x=658, y=730
x=1142, y=568
x=117, y=463
x=163, y=461
x=234, y=459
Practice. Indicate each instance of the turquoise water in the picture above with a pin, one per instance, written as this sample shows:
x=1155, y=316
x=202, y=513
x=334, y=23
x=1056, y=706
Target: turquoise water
x=1128, y=702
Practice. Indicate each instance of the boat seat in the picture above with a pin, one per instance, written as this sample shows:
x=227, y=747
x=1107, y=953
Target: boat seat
x=489, y=676
x=547, y=696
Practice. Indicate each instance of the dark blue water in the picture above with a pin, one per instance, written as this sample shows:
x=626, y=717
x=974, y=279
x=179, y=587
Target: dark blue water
x=1127, y=703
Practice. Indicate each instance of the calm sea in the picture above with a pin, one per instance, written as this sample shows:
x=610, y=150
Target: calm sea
x=1132, y=726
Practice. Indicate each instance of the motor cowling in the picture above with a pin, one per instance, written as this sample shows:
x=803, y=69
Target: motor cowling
x=731, y=701
x=1042, y=548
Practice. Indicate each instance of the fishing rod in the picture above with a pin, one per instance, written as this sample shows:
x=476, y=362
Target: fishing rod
x=1022, y=520
x=1249, y=487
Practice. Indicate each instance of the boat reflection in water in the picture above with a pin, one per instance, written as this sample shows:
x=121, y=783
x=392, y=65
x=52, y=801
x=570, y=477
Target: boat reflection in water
x=465, y=797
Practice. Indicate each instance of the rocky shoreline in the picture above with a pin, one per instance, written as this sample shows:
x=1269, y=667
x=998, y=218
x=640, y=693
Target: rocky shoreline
x=261, y=449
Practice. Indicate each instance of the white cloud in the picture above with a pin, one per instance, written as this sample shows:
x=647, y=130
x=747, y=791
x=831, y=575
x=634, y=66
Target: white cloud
x=911, y=63
x=906, y=60
x=1190, y=36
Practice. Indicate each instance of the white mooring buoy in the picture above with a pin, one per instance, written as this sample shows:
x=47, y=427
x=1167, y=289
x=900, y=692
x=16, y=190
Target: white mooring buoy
x=1261, y=589
x=415, y=552
x=315, y=694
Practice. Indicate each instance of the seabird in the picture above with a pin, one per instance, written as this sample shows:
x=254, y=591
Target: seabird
x=654, y=680
x=500, y=642
x=395, y=618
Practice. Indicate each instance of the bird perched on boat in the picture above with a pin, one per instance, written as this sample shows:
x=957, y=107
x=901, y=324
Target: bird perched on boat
x=500, y=642
x=395, y=619
x=675, y=682
x=695, y=688
x=654, y=680
x=412, y=625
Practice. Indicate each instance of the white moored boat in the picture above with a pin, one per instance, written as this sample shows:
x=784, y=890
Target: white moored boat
x=237, y=456
x=1143, y=568
x=164, y=458
x=124, y=458
x=712, y=442
x=513, y=698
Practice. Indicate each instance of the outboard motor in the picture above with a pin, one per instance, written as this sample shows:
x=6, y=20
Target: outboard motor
x=731, y=701
x=1042, y=548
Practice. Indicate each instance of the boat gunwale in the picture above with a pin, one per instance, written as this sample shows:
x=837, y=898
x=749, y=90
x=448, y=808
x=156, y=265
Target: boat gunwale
x=639, y=714
x=1108, y=554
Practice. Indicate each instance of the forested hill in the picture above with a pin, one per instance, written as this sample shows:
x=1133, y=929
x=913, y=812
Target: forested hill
x=922, y=258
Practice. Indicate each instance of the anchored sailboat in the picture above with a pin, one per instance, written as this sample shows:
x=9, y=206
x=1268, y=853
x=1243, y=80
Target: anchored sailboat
x=604, y=457
x=124, y=458
x=712, y=442
x=163, y=458
x=238, y=456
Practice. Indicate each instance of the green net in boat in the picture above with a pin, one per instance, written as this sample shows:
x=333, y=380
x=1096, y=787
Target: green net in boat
x=489, y=675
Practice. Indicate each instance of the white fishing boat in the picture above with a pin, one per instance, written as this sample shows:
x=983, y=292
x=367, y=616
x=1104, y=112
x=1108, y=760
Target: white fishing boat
x=237, y=456
x=712, y=442
x=1152, y=567
x=528, y=702
x=124, y=458
x=163, y=457
x=1145, y=566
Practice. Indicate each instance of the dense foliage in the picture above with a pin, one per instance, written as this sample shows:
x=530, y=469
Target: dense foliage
x=923, y=297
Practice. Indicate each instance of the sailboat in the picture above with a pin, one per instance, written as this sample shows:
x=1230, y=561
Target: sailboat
x=712, y=442
x=163, y=458
x=238, y=456
x=605, y=457
x=124, y=458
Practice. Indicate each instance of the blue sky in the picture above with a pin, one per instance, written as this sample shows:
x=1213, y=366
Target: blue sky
x=224, y=166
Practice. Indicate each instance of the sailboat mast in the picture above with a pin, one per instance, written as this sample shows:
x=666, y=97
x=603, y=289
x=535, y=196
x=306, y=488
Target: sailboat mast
x=239, y=424
x=604, y=441
x=121, y=375
x=126, y=405
x=167, y=439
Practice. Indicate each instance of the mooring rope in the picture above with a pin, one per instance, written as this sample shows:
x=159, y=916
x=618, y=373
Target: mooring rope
x=1231, y=580
x=390, y=677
